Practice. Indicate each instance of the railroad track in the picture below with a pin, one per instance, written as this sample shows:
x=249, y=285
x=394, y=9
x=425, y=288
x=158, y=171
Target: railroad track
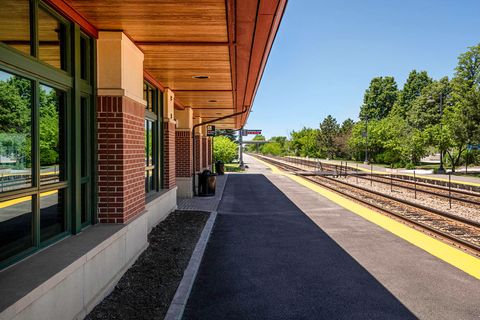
x=468, y=198
x=460, y=232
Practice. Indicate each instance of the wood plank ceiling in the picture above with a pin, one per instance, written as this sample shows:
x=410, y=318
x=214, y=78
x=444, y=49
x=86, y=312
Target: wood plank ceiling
x=224, y=40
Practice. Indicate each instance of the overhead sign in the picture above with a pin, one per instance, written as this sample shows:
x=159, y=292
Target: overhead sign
x=251, y=131
x=210, y=131
x=471, y=147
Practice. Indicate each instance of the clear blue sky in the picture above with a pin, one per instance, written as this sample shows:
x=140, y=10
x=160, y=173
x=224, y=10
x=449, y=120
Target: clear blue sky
x=326, y=53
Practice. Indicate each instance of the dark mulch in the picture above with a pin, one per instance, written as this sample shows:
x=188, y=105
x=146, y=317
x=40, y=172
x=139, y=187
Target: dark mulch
x=148, y=287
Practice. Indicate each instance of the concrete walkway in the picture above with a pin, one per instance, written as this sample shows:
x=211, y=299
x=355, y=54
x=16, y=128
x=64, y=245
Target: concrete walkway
x=281, y=251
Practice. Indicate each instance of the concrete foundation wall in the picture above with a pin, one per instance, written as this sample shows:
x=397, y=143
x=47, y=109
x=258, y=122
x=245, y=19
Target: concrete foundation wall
x=75, y=290
x=184, y=186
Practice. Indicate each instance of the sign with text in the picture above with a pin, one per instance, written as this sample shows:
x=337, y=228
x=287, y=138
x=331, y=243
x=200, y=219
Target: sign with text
x=210, y=131
x=251, y=131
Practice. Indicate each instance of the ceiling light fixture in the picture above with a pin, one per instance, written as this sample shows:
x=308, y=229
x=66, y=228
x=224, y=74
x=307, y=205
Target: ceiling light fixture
x=200, y=77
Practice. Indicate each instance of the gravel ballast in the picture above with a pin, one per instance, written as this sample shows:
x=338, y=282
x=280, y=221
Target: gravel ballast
x=147, y=288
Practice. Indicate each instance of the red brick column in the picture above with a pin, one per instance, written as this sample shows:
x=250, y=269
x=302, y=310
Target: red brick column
x=169, y=154
x=204, y=152
x=209, y=151
x=198, y=153
x=183, y=154
x=121, y=158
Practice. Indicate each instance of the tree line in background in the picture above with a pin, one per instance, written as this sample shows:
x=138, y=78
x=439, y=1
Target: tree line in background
x=400, y=127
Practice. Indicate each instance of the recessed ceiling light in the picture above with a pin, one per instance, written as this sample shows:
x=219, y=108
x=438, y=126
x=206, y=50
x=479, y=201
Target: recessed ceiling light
x=200, y=77
x=212, y=100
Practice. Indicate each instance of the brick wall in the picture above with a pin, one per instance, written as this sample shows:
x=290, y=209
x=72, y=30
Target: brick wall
x=169, y=154
x=121, y=159
x=204, y=152
x=198, y=153
x=209, y=151
x=183, y=153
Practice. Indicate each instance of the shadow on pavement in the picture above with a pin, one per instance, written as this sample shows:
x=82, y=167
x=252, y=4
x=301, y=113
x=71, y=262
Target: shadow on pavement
x=268, y=260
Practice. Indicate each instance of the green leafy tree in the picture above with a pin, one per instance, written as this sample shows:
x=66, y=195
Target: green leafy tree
x=412, y=89
x=328, y=132
x=305, y=142
x=224, y=149
x=425, y=110
x=229, y=133
x=342, y=138
x=379, y=98
x=253, y=147
x=272, y=148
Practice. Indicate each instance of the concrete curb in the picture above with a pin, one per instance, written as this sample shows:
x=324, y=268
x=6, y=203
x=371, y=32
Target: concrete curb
x=179, y=302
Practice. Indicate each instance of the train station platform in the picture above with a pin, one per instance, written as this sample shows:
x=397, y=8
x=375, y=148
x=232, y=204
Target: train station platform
x=280, y=250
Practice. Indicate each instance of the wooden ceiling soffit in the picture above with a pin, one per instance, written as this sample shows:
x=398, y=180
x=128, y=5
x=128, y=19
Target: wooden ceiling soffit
x=257, y=23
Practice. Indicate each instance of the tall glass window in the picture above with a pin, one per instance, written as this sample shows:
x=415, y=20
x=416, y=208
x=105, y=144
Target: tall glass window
x=15, y=132
x=15, y=24
x=152, y=139
x=46, y=185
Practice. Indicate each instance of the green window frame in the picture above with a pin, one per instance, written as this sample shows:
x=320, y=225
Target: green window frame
x=153, y=140
x=75, y=193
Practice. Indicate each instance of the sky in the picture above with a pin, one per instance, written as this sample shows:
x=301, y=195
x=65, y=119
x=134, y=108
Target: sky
x=327, y=51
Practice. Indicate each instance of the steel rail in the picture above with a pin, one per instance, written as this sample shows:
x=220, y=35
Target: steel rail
x=391, y=212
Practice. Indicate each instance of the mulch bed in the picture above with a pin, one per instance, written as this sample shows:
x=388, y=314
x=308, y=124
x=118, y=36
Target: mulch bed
x=147, y=288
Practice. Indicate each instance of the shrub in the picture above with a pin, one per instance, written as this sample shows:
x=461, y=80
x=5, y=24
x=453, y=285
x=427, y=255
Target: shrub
x=224, y=149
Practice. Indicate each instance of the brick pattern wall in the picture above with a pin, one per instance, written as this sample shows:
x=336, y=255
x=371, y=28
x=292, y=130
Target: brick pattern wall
x=209, y=151
x=204, y=152
x=121, y=159
x=198, y=153
x=169, y=154
x=183, y=153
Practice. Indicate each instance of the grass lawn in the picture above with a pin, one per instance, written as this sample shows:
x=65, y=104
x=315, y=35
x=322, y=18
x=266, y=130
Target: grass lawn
x=232, y=167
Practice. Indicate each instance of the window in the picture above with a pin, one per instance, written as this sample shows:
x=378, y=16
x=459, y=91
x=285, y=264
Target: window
x=46, y=184
x=48, y=42
x=15, y=24
x=152, y=139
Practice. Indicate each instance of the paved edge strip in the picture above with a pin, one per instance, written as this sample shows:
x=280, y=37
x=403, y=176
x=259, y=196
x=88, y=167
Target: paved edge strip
x=453, y=256
x=180, y=299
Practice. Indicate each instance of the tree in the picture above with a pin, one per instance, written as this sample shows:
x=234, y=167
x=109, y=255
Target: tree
x=425, y=110
x=305, y=142
x=253, y=147
x=329, y=129
x=229, y=133
x=272, y=148
x=379, y=98
x=341, y=140
x=412, y=89
x=224, y=149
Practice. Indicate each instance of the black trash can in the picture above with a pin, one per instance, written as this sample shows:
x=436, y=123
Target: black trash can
x=220, y=168
x=206, y=183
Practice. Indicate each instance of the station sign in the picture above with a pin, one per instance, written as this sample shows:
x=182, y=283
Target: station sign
x=210, y=131
x=246, y=132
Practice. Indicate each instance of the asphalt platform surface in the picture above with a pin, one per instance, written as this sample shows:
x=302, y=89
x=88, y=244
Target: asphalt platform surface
x=267, y=260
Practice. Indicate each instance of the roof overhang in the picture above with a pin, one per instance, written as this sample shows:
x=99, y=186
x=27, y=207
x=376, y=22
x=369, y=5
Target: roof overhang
x=227, y=41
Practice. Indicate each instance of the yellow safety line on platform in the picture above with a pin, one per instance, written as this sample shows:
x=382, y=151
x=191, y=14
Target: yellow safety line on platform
x=23, y=199
x=457, y=258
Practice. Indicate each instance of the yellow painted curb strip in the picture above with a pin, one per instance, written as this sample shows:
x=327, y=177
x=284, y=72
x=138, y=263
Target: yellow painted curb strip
x=451, y=255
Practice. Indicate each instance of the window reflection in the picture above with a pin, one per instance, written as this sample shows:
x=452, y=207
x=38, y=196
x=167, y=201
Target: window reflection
x=52, y=214
x=52, y=135
x=15, y=132
x=15, y=226
x=15, y=24
x=51, y=36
